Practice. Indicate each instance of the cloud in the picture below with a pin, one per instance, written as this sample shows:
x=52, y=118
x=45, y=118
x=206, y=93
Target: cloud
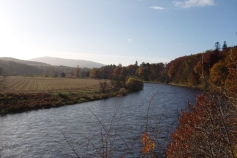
x=194, y=3
x=129, y=40
x=157, y=8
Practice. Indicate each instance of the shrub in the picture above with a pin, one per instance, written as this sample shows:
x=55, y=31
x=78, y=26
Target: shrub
x=134, y=85
x=122, y=91
x=63, y=95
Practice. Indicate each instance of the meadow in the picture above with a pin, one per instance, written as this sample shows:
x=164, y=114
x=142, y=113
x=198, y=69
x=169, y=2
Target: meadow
x=20, y=94
x=19, y=84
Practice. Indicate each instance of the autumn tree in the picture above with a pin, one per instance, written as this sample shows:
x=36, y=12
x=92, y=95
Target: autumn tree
x=94, y=73
x=218, y=74
x=134, y=84
x=231, y=79
x=103, y=85
x=207, y=130
x=131, y=70
x=143, y=72
x=77, y=72
x=117, y=70
x=124, y=71
x=157, y=72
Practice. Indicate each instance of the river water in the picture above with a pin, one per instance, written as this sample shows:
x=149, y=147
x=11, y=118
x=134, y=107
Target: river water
x=91, y=128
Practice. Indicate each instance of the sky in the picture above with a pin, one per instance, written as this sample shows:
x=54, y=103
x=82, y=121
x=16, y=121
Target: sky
x=115, y=31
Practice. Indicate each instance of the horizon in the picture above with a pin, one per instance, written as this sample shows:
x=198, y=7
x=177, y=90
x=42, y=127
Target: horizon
x=32, y=59
x=117, y=32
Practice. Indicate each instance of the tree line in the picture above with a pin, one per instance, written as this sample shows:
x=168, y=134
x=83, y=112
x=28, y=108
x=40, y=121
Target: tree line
x=193, y=70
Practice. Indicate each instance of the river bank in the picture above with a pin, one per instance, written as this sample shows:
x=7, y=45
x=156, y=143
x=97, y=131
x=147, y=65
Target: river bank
x=22, y=102
x=200, y=87
x=11, y=103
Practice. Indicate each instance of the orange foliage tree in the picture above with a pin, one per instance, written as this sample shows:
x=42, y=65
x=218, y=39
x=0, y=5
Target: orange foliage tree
x=218, y=74
x=231, y=79
x=208, y=130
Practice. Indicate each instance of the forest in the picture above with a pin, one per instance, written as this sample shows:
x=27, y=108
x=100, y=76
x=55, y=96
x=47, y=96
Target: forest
x=194, y=70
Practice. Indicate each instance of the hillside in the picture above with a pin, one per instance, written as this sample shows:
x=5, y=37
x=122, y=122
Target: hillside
x=68, y=62
x=32, y=63
x=194, y=70
x=17, y=67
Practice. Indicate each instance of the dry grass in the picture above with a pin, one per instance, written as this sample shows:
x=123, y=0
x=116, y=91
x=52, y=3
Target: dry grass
x=18, y=84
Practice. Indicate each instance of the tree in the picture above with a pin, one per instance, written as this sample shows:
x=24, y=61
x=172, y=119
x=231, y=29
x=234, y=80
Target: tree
x=218, y=73
x=134, y=84
x=117, y=70
x=224, y=46
x=217, y=46
x=143, y=72
x=124, y=71
x=77, y=72
x=136, y=64
x=231, y=79
x=63, y=74
x=103, y=85
x=118, y=81
x=207, y=130
x=95, y=73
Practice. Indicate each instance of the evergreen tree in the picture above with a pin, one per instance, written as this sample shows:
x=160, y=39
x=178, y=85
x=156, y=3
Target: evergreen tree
x=136, y=64
x=217, y=46
x=224, y=45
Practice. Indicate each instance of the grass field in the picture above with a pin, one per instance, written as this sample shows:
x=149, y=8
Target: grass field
x=21, y=94
x=18, y=84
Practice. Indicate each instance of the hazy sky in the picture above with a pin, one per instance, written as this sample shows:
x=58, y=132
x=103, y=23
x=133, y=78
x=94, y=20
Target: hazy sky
x=115, y=31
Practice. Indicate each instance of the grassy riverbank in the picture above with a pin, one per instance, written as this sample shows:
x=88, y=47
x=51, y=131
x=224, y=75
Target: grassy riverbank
x=21, y=102
x=22, y=94
x=177, y=84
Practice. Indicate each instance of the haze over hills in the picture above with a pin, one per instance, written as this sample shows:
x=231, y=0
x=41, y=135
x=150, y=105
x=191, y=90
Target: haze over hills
x=68, y=62
x=32, y=63
x=12, y=66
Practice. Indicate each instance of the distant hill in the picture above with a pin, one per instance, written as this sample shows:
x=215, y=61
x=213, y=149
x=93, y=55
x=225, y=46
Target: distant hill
x=12, y=66
x=32, y=63
x=68, y=62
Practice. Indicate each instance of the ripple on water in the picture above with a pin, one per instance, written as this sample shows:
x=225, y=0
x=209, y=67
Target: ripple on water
x=39, y=133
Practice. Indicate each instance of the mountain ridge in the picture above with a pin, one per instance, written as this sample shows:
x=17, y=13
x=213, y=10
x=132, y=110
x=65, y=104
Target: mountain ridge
x=67, y=62
x=27, y=62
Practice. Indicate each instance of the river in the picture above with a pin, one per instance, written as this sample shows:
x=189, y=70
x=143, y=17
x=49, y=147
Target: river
x=55, y=132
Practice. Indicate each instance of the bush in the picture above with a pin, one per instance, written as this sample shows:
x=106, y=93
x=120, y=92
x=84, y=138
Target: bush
x=63, y=95
x=122, y=91
x=134, y=85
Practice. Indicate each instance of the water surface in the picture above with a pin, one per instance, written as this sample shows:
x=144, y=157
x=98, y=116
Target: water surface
x=46, y=133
